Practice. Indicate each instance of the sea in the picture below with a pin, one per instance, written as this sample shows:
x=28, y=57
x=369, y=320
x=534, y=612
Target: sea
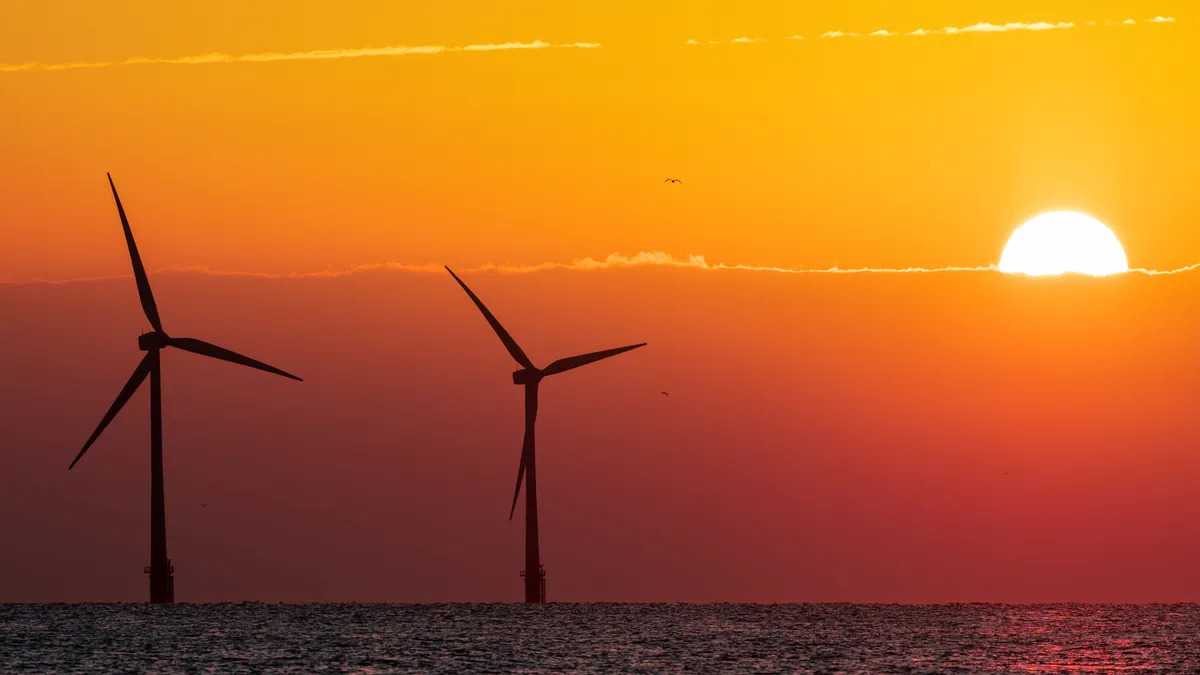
x=599, y=638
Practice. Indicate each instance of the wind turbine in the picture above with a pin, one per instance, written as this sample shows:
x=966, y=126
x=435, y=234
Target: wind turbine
x=530, y=376
x=162, y=574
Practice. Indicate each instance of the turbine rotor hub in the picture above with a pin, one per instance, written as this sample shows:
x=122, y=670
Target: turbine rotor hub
x=526, y=376
x=152, y=341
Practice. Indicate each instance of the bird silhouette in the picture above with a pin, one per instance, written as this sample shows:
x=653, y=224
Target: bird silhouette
x=672, y=180
x=665, y=394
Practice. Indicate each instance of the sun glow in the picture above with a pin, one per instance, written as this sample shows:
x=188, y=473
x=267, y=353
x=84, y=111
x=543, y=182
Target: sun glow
x=1060, y=242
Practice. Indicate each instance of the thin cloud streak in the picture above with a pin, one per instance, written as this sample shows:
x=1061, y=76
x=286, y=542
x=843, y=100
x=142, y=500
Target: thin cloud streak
x=1008, y=27
x=312, y=55
x=982, y=27
x=6, y=68
x=612, y=261
x=1156, y=273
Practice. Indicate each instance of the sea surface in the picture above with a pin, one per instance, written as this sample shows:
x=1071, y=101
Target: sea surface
x=599, y=638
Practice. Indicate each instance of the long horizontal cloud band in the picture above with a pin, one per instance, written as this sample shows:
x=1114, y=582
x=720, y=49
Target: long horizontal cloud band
x=983, y=27
x=612, y=261
x=318, y=54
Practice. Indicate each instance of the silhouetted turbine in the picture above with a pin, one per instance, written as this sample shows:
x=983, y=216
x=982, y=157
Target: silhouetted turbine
x=530, y=376
x=162, y=582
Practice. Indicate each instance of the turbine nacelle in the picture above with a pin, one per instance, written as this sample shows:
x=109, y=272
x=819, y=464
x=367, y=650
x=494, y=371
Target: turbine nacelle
x=527, y=376
x=153, y=341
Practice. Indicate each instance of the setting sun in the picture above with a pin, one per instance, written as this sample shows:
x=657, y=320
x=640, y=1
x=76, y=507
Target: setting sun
x=1063, y=241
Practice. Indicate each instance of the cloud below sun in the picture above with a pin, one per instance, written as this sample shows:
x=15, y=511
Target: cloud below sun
x=613, y=261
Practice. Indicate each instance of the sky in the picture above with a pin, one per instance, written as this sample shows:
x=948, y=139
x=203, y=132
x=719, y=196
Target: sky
x=296, y=174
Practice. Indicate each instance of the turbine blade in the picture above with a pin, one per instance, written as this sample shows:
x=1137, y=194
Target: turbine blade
x=139, y=271
x=131, y=387
x=206, y=349
x=531, y=406
x=517, y=491
x=563, y=365
x=509, y=343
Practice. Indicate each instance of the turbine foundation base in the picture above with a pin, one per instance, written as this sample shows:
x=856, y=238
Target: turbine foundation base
x=535, y=587
x=162, y=583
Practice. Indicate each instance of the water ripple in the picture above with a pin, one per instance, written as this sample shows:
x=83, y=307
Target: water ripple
x=598, y=638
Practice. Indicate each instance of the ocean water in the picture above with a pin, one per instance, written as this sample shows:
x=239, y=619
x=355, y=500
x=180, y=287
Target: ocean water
x=598, y=638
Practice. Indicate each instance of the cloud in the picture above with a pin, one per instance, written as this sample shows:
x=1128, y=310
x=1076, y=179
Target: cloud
x=992, y=28
x=613, y=260
x=536, y=44
x=986, y=27
x=981, y=27
x=5, y=68
x=1155, y=273
x=610, y=262
x=312, y=55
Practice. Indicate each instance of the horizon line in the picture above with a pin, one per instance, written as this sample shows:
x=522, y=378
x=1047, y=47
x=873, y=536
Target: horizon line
x=612, y=261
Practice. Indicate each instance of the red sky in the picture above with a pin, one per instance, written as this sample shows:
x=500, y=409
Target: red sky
x=825, y=438
x=878, y=437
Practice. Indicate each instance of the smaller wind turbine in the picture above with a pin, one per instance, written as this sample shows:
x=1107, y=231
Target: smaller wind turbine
x=162, y=573
x=530, y=376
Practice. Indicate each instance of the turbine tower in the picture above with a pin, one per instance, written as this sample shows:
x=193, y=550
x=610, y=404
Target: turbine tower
x=530, y=376
x=162, y=574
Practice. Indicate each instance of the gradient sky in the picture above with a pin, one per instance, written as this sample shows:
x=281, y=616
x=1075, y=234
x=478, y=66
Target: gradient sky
x=827, y=437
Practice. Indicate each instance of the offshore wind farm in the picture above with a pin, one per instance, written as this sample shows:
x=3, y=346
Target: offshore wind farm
x=903, y=297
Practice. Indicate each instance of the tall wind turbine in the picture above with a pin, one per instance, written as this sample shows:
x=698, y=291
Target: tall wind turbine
x=162, y=574
x=530, y=376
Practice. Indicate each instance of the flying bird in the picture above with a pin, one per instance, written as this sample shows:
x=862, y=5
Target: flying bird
x=672, y=180
x=665, y=394
x=162, y=573
x=530, y=376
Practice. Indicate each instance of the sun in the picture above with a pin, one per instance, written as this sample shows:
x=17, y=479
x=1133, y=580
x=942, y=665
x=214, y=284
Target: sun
x=1063, y=241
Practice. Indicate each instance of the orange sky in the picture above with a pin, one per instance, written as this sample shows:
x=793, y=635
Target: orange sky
x=881, y=152
x=827, y=437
